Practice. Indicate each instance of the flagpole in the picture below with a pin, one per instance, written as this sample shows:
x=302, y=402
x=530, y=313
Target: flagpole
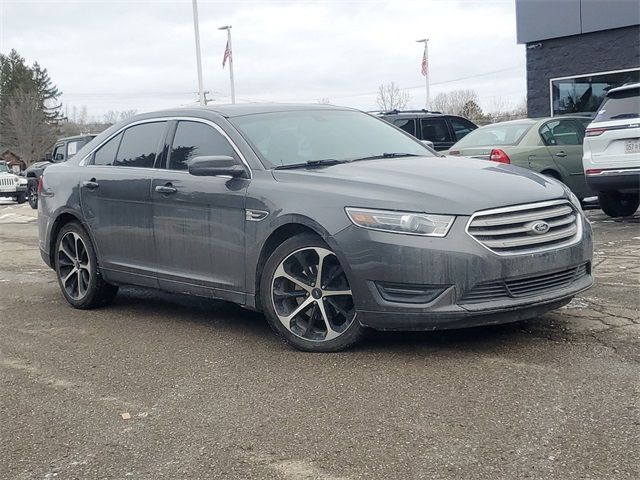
x=426, y=55
x=231, y=79
x=425, y=70
x=198, y=57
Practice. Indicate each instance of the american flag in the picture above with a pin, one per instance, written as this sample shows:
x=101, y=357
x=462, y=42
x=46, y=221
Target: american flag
x=227, y=54
x=424, y=67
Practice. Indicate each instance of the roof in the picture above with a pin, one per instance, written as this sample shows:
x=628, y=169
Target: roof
x=629, y=86
x=239, y=109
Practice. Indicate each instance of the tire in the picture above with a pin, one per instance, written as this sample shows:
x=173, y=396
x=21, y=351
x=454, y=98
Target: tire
x=32, y=196
x=327, y=321
x=76, y=261
x=21, y=198
x=618, y=204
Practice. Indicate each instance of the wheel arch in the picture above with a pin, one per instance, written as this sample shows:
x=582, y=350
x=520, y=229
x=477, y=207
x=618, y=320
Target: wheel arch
x=287, y=227
x=63, y=218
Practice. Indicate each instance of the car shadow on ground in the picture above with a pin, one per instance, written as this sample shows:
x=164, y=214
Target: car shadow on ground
x=250, y=325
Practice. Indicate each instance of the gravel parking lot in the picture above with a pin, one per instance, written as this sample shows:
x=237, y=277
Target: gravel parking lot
x=166, y=386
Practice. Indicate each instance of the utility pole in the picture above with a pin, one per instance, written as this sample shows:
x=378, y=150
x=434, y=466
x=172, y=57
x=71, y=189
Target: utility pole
x=425, y=69
x=230, y=56
x=198, y=56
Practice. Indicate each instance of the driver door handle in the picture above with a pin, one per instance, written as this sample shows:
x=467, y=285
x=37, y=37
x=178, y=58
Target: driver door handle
x=561, y=154
x=166, y=189
x=91, y=184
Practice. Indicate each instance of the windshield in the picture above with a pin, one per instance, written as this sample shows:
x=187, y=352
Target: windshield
x=495, y=135
x=620, y=105
x=295, y=137
x=4, y=168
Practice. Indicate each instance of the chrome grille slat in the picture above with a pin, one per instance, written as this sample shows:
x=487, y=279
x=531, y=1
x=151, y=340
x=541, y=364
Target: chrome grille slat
x=510, y=230
x=555, y=212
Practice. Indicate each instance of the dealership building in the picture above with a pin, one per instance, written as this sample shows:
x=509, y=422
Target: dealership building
x=576, y=51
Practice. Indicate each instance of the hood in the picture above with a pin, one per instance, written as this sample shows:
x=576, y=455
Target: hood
x=447, y=185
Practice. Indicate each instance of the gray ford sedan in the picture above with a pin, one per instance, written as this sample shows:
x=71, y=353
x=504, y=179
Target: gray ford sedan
x=328, y=220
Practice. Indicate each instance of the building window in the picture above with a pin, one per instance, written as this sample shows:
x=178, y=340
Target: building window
x=584, y=93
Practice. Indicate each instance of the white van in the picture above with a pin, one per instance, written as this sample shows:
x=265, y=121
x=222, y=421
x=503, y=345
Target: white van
x=611, y=154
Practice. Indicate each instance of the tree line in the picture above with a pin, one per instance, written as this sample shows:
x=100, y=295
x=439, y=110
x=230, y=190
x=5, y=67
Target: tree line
x=465, y=103
x=31, y=114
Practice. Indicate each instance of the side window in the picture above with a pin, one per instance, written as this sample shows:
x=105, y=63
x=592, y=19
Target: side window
x=194, y=139
x=461, y=127
x=72, y=148
x=435, y=129
x=139, y=145
x=561, y=132
x=408, y=125
x=58, y=153
x=106, y=154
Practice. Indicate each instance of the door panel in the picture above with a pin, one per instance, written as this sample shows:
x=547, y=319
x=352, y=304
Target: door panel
x=563, y=140
x=199, y=221
x=116, y=202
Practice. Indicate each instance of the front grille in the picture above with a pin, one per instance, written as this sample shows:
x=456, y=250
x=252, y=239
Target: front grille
x=7, y=182
x=525, y=286
x=516, y=230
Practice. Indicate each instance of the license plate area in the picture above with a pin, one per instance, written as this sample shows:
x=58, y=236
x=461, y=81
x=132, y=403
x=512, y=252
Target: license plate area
x=632, y=146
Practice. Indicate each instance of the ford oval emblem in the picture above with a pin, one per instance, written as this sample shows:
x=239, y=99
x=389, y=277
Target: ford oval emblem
x=540, y=227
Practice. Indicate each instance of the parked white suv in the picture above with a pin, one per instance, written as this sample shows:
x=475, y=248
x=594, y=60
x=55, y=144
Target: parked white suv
x=611, y=155
x=12, y=185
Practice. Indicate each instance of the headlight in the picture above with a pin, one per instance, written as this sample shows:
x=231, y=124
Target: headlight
x=401, y=222
x=572, y=198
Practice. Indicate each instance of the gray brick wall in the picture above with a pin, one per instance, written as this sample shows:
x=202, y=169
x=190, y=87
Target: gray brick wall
x=561, y=57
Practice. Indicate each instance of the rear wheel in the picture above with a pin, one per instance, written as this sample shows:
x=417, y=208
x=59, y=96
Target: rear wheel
x=77, y=270
x=32, y=196
x=618, y=204
x=307, y=298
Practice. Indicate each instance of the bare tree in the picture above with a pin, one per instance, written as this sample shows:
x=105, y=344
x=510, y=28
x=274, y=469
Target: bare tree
x=390, y=97
x=112, y=116
x=26, y=130
x=453, y=102
x=127, y=114
x=500, y=110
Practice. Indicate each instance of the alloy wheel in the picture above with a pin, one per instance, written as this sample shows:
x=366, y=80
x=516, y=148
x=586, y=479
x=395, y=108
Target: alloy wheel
x=33, y=195
x=74, y=265
x=311, y=295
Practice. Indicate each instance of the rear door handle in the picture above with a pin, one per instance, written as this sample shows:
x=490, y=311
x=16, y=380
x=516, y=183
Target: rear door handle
x=166, y=189
x=91, y=184
x=561, y=154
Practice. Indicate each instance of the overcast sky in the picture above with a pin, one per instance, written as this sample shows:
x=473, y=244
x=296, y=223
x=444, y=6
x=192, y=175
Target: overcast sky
x=120, y=55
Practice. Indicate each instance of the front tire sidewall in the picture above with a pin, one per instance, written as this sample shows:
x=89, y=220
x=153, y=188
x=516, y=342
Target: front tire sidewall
x=353, y=334
x=32, y=197
x=95, y=294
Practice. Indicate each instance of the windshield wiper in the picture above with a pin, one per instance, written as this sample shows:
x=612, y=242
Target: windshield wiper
x=387, y=155
x=311, y=164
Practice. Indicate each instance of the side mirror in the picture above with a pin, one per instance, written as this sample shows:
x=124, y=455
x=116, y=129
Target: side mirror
x=216, y=166
x=48, y=157
x=427, y=143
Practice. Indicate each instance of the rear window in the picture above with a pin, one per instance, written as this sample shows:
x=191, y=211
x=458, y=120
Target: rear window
x=620, y=105
x=495, y=135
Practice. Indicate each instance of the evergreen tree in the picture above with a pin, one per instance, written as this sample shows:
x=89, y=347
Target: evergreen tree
x=29, y=107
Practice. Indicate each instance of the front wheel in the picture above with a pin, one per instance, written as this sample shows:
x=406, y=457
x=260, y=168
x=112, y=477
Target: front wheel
x=307, y=298
x=77, y=269
x=32, y=196
x=618, y=204
x=21, y=198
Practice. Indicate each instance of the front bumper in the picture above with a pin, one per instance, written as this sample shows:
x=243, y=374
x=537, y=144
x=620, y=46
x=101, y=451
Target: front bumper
x=455, y=264
x=13, y=193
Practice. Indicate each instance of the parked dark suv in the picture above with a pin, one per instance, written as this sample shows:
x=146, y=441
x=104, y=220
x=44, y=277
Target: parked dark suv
x=63, y=150
x=440, y=129
x=327, y=219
